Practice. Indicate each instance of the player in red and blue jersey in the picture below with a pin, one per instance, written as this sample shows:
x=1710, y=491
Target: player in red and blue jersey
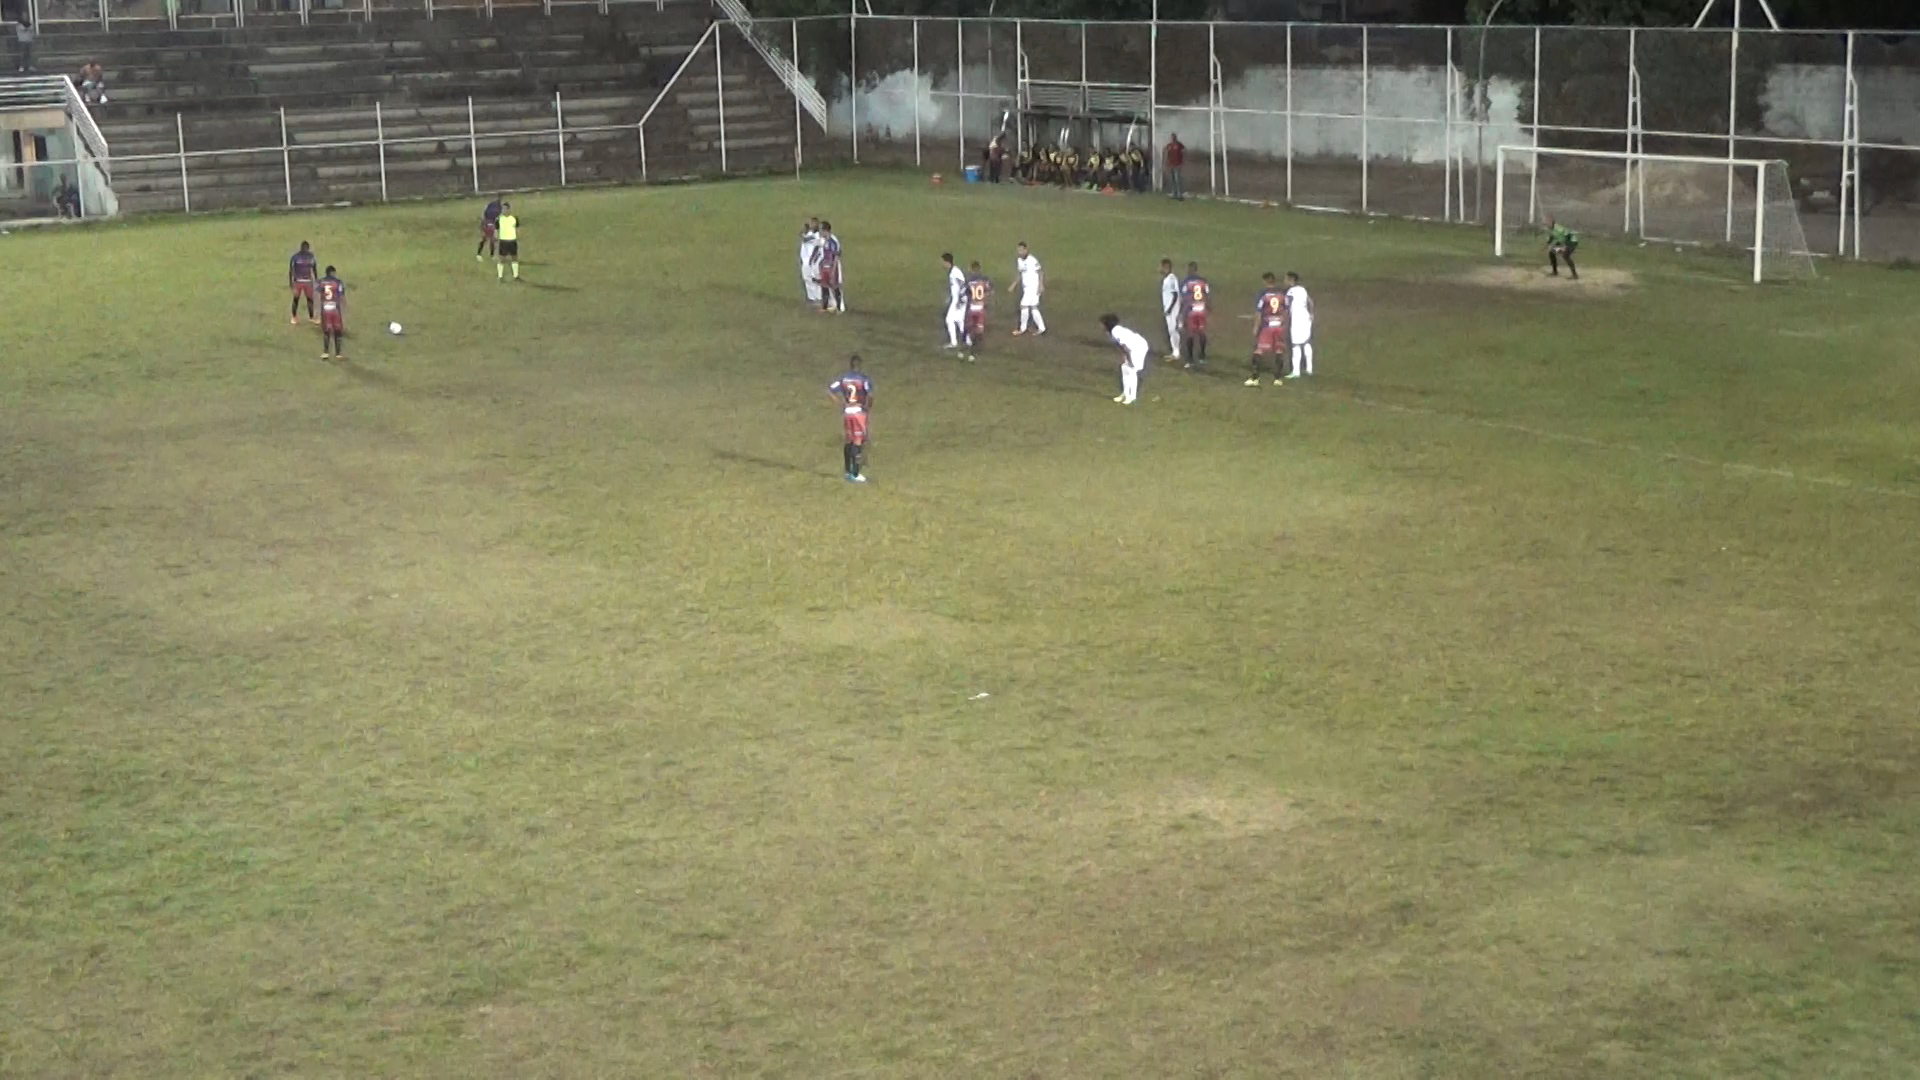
x=302, y=273
x=826, y=263
x=853, y=392
x=975, y=290
x=489, y=225
x=1269, y=328
x=1196, y=302
x=333, y=316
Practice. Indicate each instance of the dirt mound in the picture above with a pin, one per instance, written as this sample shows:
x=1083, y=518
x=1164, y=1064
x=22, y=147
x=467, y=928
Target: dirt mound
x=1598, y=281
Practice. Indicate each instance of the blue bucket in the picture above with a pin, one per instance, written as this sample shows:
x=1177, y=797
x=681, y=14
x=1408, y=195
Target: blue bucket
x=973, y=174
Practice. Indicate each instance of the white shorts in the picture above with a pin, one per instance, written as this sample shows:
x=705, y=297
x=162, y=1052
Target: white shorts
x=1301, y=331
x=1029, y=301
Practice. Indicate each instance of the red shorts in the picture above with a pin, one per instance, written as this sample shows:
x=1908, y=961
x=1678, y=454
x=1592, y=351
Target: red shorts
x=855, y=424
x=829, y=277
x=303, y=288
x=1272, y=339
x=976, y=323
x=1196, y=322
x=486, y=230
x=331, y=322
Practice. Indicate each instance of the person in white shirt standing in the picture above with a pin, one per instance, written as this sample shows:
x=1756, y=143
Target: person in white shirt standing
x=1170, y=306
x=1032, y=284
x=1133, y=357
x=809, y=243
x=1299, y=324
x=956, y=300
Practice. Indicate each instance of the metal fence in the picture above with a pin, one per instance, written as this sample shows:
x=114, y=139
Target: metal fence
x=211, y=14
x=1399, y=120
x=1405, y=120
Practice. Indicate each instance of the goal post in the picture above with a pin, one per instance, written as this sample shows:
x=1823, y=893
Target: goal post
x=1743, y=204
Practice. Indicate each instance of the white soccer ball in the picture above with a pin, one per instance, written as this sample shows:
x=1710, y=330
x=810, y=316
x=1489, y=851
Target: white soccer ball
x=393, y=328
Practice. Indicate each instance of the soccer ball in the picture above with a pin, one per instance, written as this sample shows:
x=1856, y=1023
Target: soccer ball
x=393, y=328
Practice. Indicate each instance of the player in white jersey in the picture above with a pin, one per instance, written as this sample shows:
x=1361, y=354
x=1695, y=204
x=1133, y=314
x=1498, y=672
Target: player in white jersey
x=809, y=243
x=1133, y=357
x=1299, y=324
x=956, y=300
x=1170, y=306
x=1032, y=283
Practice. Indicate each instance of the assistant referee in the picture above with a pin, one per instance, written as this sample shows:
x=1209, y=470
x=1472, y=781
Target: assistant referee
x=509, y=226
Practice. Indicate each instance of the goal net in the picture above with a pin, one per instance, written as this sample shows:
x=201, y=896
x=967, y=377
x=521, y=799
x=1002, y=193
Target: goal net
x=1736, y=204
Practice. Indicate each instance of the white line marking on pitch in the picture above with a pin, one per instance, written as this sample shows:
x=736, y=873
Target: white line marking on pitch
x=1602, y=444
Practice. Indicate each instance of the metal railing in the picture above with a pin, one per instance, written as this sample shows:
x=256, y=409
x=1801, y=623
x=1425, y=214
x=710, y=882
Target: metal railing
x=214, y=14
x=797, y=84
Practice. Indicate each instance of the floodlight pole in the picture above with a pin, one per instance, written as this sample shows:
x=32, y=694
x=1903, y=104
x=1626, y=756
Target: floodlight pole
x=1480, y=107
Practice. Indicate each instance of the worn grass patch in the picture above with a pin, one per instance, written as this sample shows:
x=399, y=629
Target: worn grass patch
x=1531, y=694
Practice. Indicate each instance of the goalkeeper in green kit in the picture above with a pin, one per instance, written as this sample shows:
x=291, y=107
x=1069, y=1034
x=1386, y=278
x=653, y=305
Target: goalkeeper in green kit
x=1561, y=242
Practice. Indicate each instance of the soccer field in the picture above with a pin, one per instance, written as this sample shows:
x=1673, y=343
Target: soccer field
x=1532, y=693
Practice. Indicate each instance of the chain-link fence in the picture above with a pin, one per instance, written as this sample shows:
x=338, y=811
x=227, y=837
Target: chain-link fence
x=1406, y=120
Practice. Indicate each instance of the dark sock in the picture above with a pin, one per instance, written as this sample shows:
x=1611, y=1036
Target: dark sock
x=846, y=458
x=859, y=459
x=295, y=309
x=1203, y=348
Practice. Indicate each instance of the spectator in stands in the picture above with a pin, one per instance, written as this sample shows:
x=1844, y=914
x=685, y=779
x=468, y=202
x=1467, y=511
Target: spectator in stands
x=1176, y=156
x=996, y=157
x=23, y=36
x=93, y=83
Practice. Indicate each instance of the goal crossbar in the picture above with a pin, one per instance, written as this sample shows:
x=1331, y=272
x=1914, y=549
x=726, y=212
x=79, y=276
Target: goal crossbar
x=1635, y=162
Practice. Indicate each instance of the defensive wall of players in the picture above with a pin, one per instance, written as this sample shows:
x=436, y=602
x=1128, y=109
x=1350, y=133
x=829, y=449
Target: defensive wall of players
x=1370, y=119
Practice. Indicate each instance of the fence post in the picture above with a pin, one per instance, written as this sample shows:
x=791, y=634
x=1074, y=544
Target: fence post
x=1759, y=219
x=1213, y=117
x=173, y=16
x=473, y=146
x=1019, y=73
x=1289, y=114
x=799, y=138
x=916, y=93
x=1633, y=105
x=380, y=140
x=720, y=96
x=960, y=95
x=560, y=133
x=429, y=9
x=853, y=76
x=186, y=195
x=286, y=155
x=1446, y=138
x=105, y=19
x=306, y=11
x=1366, y=79
x=1153, y=98
x=1533, y=162
x=489, y=10
x=1733, y=107
x=1083, y=62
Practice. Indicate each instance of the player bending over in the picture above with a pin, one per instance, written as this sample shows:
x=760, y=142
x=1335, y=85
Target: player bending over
x=975, y=331
x=956, y=300
x=853, y=392
x=333, y=317
x=1170, y=306
x=509, y=228
x=1269, y=329
x=1032, y=284
x=826, y=264
x=1195, y=296
x=489, y=223
x=1300, y=324
x=1133, y=357
x=302, y=270
x=1561, y=242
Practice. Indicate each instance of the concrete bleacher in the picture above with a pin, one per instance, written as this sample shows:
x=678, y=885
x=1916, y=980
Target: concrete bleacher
x=226, y=89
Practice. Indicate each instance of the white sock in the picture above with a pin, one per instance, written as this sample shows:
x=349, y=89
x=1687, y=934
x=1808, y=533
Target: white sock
x=1025, y=314
x=1129, y=382
x=1308, y=348
x=1039, y=324
x=953, y=332
x=1296, y=360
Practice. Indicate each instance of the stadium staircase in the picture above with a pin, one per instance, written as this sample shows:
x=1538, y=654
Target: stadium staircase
x=225, y=89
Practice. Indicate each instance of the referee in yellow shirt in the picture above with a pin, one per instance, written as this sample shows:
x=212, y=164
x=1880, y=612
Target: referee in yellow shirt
x=509, y=233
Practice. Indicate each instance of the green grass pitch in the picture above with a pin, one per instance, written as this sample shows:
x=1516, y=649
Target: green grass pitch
x=1533, y=694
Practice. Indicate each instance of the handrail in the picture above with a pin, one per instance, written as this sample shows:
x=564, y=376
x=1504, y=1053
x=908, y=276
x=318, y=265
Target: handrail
x=83, y=122
x=797, y=83
x=668, y=89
